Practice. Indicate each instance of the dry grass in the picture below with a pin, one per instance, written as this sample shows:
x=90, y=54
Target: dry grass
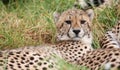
x=25, y=23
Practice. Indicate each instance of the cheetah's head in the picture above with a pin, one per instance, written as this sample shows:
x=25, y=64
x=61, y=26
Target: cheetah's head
x=73, y=24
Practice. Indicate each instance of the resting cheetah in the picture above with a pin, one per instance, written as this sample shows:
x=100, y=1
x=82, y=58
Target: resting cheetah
x=101, y=4
x=108, y=59
x=112, y=38
x=74, y=38
x=109, y=54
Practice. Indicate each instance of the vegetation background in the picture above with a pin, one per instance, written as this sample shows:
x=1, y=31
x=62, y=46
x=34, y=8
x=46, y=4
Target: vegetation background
x=30, y=22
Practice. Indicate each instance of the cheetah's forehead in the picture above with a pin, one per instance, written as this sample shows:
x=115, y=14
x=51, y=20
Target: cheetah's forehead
x=73, y=12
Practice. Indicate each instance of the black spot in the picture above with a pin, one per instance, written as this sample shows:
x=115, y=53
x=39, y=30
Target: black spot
x=75, y=50
x=50, y=66
x=36, y=60
x=1, y=64
x=70, y=57
x=40, y=58
x=118, y=28
x=10, y=65
x=113, y=60
x=22, y=62
x=110, y=54
x=96, y=63
x=105, y=56
x=1, y=60
x=19, y=66
x=98, y=58
x=104, y=46
x=11, y=53
x=75, y=59
x=116, y=54
x=117, y=31
x=31, y=58
x=12, y=61
x=79, y=52
x=90, y=62
x=22, y=58
x=112, y=65
x=110, y=47
x=75, y=54
x=17, y=55
x=31, y=63
x=44, y=68
x=81, y=49
x=18, y=52
x=72, y=44
x=45, y=63
x=15, y=58
x=27, y=52
x=39, y=63
x=107, y=42
x=26, y=65
x=93, y=56
x=85, y=47
x=70, y=54
x=24, y=54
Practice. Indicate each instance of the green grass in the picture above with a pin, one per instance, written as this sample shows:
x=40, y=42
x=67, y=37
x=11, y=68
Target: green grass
x=30, y=22
x=24, y=23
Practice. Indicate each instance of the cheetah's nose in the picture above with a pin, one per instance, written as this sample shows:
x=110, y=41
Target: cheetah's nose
x=76, y=31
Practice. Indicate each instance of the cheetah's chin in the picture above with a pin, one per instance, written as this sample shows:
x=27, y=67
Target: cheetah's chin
x=76, y=38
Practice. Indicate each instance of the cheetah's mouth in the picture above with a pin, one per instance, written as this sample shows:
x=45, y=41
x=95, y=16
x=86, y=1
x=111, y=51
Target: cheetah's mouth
x=77, y=37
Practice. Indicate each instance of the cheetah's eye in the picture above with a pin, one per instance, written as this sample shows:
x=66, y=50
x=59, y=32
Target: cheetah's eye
x=82, y=21
x=68, y=21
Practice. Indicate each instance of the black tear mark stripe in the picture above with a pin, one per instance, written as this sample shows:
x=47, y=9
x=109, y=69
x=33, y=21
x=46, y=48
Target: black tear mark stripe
x=69, y=30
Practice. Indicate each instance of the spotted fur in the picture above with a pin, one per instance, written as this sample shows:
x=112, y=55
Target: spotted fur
x=101, y=4
x=112, y=38
x=74, y=38
x=108, y=59
x=74, y=46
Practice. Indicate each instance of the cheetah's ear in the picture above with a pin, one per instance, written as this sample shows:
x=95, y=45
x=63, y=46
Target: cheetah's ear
x=90, y=13
x=56, y=16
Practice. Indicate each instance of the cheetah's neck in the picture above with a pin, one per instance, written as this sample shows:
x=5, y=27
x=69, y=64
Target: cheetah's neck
x=72, y=51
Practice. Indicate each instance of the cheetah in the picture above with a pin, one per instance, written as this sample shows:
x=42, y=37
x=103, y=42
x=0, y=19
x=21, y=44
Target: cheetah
x=99, y=4
x=74, y=39
x=106, y=59
x=112, y=38
x=108, y=56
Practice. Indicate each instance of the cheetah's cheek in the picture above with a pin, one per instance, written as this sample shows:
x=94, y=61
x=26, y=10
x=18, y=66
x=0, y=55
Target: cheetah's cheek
x=63, y=37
